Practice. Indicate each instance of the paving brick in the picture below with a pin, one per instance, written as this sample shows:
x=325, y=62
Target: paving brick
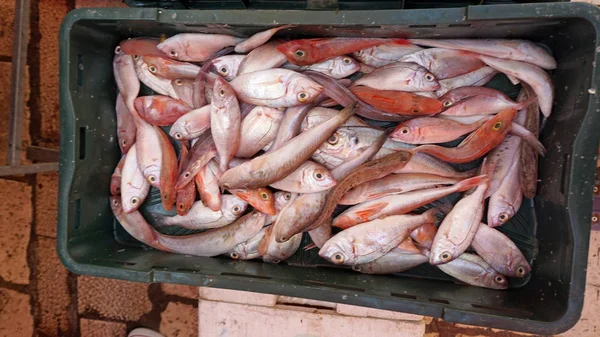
x=95, y=328
x=53, y=293
x=46, y=203
x=15, y=314
x=5, y=68
x=180, y=290
x=231, y=319
x=15, y=226
x=179, y=320
x=51, y=14
x=353, y=310
x=7, y=12
x=236, y=296
x=114, y=299
x=99, y=3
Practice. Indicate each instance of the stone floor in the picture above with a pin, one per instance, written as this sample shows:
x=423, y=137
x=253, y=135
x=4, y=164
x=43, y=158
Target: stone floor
x=39, y=297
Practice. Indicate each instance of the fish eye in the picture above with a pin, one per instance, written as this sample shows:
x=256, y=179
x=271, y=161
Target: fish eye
x=124, y=142
x=151, y=179
x=445, y=256
x=500, y=279
x=359, y=52
x=300, y=53
x=264, y=195
x=287, y=196
x=116, y=202
x=338, y=258
x=118, y=50
x=347, y=60
x=356, y=268
x=405, y=130
x=173, y=53
x=135, y=57
x=234, y=255
x=178, y=135
x=224, y=71
x=180, y=206
x=447, y=103
x=302, y=96
x=415, y=111
x=319, y=175
x=135, y=200
x=179, y=81
x=333, y=139
x=118, y=189
x=165, y=196
x=429, y=77
x=283, y=239
x=152, y=69
x=503, y=217
x=521, y=271
x=186, y=175
x=222, y=92
x=497, y=126
x=276, y=261
x=236, y=209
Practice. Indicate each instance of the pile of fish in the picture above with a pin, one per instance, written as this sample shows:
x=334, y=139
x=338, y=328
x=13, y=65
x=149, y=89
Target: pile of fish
x=360, y=135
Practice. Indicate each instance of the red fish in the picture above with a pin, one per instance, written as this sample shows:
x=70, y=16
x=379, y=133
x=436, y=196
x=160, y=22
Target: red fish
x=309, y=51
x=171, y=69
x=142, y=47
x=160, y=110
x=398, y=102
x=168, y=170
x=260, y=198
x=477, y=144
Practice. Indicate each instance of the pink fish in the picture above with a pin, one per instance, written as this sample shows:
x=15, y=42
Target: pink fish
x=196, y=47
x=444, y=63
x=225, y=122
x=258, y=39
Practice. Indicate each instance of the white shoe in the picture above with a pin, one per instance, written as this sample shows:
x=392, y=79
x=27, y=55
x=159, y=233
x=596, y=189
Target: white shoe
x=143, y=332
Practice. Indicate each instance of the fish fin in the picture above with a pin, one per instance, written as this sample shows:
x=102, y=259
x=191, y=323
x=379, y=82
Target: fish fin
x=443, y=205
x=368, y=212
x=529, y=137
x=472, y=182
x=431, y=214
x=310, y=246
x=523, y=104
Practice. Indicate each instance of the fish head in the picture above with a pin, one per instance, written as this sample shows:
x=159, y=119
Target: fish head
x=364, y=55
x=456, y=96
x=443, y=251
x=494, y=280
x=251, y=223
x=233, y=207
x=501, y=209
x=227, y=66
x=115, y=185
x=318, y=176
x=175, y=47
x=260, y=198
x=183, y=87
x=501, y=123
x=424, y=234
x=407, y=132
x=298, y=52
x=518, y=266
x=223, y=94
x=178, y=130
x=424, y=80
x=347, y=142
x=344, y=66
x=282, y=198
x=302, y=90
x=116, y=206
x=338, y=250
x=131, y=200
x=156, y=65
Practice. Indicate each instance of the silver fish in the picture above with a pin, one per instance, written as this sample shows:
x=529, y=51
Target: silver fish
x=337, y=67
x=134, y=186
x=262, y=58
x=476, y=78
x=258, y=39
x=402, y=76
x=384, y=54
x=275, y=252
x=228, y=66
x=148, y=150
x=258, y=129
x=500, y=252
x=248, y=250
x=161, y=85
x=184, y=88
x=310, y=177
x=192, y=124
x=395, y=261
x=225, y=122
x=444, y=63
x=208, y=185
x=126, y=77
x=506, y=201
x=473, y=270
x=126, y=128
x=196, y=47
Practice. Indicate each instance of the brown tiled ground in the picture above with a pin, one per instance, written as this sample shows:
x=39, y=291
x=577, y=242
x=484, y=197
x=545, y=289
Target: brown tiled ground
x=179, y=320
x=15, y=314
x=15, y=226
x=95, y=328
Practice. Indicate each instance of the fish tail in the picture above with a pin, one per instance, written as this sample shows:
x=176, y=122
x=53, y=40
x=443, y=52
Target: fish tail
x=343, y=222
x=443, y=205
x=310, y=246
x=529, y=137
x=431, y=215
x=523, y=104
x=471, y=182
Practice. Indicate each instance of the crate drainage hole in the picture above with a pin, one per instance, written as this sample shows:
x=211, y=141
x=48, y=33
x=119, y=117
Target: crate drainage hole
x=186, y=270
x=77, y=213
x=459, y=25
x=410, y=297
x=422, y=26
x=360, y=290
x=437, y=300
x=248, y=276
x=82, y=131
x=160, y=268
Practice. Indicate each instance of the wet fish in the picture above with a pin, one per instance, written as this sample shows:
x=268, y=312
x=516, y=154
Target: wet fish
x=262, y=58
x=301, y=213
x=424, y=235
x=395, y=261
x=196, y=47
x=371, y=240
x=476, y=78
x=275, y=252
x=499, y=161
x=225, y=122
x=149, y=153
x=160, y=110
x=290, y=124
x=227, y=66
x=258, y=39
x=134, y=187
x=310, y=177
x=506, y=201
x=271, y=167
x=500, y=252
x=399, y=203
x=398, y=102
x=125, y=125
x=200, y=153
x=141, y=46
x=321, y=234
x=115, y=178
x=469, y=101
x=275, y=88
x=171, y=69
x=519, y=50
x=125, y=74
x=394, y=184
x=444, y=63
x=528, y=156
x=477, y=144
x=258, y=129
x=384, y=54
x=184, y=88
x=531, y=74
x=309, y=51
x=261, y=198
x=168, y=170
x=473, y=270
x=207, y=184
x=192, y=124
x=337, y=67
x=161, y=85
x=185, y=197
x=423, y=163
x=202, y=217
x=432, y=130
x=459, y=226
x=248, y=250
x=401, y=76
